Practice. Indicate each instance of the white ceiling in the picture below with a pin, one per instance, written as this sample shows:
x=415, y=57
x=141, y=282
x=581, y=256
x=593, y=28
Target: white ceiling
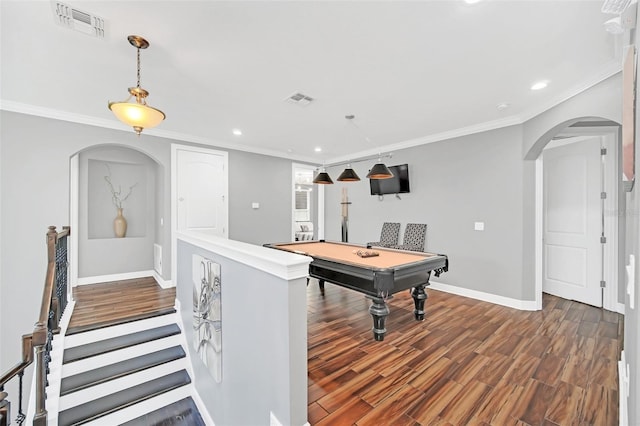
x=410, y=71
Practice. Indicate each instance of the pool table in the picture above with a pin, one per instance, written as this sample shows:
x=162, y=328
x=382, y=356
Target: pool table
x=387, y=272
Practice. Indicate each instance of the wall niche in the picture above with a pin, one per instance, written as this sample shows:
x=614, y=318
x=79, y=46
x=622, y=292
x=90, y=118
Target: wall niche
x=129, y=182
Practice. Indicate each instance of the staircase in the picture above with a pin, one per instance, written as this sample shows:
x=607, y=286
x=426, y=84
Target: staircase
x=134, y=373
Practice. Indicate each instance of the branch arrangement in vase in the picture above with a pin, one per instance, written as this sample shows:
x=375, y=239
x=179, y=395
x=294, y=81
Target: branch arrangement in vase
x=116, y=196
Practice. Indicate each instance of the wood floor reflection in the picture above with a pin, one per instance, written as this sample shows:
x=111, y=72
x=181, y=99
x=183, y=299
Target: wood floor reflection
x=469, y=362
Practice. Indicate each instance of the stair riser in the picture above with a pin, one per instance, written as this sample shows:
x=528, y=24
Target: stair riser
x=69, y=369
x=116, y=385
x=118, y=330
x=147, y=406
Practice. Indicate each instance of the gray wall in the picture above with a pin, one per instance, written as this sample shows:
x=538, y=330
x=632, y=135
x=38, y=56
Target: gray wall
x=265, y=180
x=97, y=241
x=35, y=168
x=454, y=183
x=34, y=193
x=487, y=177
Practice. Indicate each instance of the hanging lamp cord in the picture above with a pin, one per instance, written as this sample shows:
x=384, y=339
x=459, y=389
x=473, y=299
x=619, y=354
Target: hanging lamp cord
x=138, y=61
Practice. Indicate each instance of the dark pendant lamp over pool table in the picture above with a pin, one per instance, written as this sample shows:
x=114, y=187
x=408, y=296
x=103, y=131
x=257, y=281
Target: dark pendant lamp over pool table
x=379, y=171
x=348, y=175
x=323, y=178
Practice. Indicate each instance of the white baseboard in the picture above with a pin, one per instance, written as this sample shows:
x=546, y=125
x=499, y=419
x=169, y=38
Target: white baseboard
x=620, y=308
x=523, y=305
x=163, y=283
x=115, y=277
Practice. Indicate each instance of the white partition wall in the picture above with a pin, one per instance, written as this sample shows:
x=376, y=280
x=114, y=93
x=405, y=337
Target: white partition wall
x=262, y=335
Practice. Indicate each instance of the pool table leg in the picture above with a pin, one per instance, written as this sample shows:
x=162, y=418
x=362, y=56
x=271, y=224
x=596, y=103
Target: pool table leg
x=379, y=311
x=419, y=299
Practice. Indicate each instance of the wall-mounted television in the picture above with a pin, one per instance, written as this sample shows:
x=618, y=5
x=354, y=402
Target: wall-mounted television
x=398, y=184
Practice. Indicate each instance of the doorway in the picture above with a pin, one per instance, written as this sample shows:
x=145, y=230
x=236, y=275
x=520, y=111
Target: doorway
x=199, y=194
x=307, y=205
x=585, y=271
x=572, y=219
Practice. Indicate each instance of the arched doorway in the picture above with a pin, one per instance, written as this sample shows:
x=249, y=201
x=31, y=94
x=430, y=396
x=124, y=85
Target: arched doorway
x=551, y=204
x=102, y=176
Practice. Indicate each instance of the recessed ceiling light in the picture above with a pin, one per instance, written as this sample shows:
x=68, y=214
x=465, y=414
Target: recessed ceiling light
x=539, y=85
x=472, y=1
x=237, y=132
x=318, y=149
x=502, y=106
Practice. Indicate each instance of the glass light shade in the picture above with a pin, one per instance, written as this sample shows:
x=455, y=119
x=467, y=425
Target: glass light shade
x=323, y=178
x=137, y=115
x=379, y=171
x=348, y=175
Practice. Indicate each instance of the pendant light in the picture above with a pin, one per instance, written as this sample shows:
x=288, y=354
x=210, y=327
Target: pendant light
x=348, y=175
x=379, y=171
x=323, y=178
x=137, y=114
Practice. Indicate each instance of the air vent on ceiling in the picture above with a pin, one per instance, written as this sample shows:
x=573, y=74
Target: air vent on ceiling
x=299, y=99
x=78, y=20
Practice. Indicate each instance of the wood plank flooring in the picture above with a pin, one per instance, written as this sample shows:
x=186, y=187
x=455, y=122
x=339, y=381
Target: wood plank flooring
x=468, y=363
x=103, y=304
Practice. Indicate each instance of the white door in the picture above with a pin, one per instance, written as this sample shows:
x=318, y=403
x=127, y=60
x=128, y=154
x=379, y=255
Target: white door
x=201, y=191
x=573, y=222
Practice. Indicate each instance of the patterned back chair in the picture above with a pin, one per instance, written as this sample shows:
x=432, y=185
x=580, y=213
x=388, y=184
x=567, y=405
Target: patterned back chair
x=414, y=237
x=388, y=236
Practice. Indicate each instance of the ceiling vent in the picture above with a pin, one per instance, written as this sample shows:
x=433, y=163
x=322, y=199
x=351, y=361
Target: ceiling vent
x=78, y=20
x=299, y=99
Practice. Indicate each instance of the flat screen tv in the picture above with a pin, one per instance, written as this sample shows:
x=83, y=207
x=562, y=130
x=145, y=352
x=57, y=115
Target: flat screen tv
x=398, y=184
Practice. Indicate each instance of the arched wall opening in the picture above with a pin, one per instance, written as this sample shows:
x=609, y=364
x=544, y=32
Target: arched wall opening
x=610, y=133
x=102, y=178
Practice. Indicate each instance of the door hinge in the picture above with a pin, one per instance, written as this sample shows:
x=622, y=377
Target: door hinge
x=603, y=284
x=603, y=151
x=603, y=240
x=603, y=195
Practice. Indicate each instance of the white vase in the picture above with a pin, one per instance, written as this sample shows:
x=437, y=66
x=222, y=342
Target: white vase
x=120, y=225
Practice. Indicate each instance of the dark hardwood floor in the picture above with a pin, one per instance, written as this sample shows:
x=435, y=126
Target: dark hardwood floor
x=468, y=363
x=104, y=304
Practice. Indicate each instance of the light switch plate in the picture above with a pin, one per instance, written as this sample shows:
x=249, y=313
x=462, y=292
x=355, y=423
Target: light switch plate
x=478, y=226
x=255, y=205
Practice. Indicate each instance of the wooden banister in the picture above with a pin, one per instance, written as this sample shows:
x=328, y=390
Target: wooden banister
x=27, y=359
x=51, y=308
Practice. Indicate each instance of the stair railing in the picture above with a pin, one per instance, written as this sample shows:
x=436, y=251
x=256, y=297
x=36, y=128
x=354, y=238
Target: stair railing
x=54, y=301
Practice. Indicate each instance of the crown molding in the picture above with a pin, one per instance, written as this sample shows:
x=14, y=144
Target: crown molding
x=436, y=137
x=55, y=114
x=608, y=70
